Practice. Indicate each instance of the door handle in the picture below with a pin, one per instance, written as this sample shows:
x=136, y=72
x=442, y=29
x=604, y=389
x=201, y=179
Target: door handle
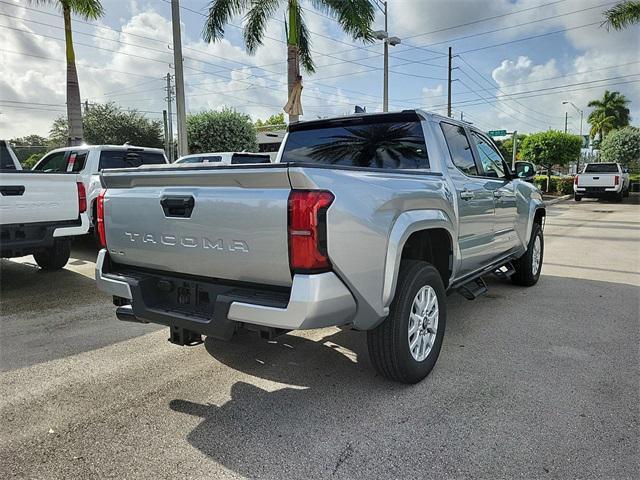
x=497, y=194
x=466, y=194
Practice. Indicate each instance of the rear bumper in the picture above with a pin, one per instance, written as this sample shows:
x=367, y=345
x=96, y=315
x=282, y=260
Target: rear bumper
x=314, y=301
x=596, y=192
x=21, y=239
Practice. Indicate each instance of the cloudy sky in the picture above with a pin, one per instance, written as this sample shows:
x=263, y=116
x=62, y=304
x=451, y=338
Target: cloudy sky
x=516, y=61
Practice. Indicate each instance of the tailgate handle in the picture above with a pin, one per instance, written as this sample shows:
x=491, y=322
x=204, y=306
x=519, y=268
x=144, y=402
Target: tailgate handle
x=177, y=205
x=12, y=190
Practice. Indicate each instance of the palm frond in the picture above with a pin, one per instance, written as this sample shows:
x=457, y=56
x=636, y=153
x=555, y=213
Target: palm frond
x=220, y=13
x=622, y=15
x=256, y=22
x=304, y=44
x=87, y=9
x=355, y=16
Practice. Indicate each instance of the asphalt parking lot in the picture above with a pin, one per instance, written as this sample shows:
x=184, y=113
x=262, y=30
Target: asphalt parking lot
x=531, y=383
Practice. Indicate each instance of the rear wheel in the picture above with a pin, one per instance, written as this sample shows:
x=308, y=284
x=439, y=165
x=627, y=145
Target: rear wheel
x=577, y=198
x=618, y=197
x=529, y=265
x=405, y=347
x=54, y=258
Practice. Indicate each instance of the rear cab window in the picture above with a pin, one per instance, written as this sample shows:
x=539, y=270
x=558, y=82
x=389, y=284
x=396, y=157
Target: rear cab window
x=390, y=141
x=129, y=159
x=602, y=168
x=244, y=158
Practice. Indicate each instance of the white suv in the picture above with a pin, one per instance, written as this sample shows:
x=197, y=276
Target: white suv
x=89, y=160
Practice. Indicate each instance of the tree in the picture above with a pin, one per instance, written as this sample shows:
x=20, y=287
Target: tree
x=622, y=146
x=89, y=10
x=355, y=17
x=224, y=131
x=601, y=124
x=612, y=104
x=551, y=148
x=25, y=147
x=276, y=121
x=622, y=15
x=108, y=124
x=506, y=147
x=31, y=160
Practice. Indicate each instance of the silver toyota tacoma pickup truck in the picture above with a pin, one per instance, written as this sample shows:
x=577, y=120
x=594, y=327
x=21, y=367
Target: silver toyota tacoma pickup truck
x=364, y=221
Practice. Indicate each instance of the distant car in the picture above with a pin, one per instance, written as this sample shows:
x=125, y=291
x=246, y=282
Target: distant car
x=89, y=160
x=602, y=180
x=226, y=158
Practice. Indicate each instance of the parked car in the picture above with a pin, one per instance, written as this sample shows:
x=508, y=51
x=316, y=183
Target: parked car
x=602, y=180
x=225, y=158
x=39, y=212
x=88, y=161
x=365, y=222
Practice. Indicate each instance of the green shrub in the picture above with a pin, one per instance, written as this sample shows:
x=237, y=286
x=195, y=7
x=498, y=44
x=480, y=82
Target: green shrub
x=564, y=186
x=557, y=185
x=224, y=131
x=30, y=161
x=622, y=146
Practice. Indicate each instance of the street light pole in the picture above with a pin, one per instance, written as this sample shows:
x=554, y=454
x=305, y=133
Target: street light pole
x=565, y=128
x=181, y=110
x=566, y=118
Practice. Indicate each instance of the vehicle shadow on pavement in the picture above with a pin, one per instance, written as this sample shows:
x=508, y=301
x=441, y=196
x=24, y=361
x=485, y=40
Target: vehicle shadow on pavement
x=514, y=391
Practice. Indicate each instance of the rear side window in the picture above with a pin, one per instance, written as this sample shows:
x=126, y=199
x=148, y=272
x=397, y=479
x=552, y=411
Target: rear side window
x=76, y=161
x=459, y=148
x=601, y=168
x=6, y=161
x=242, y=158
x=129, y=159
x=367, y=142
x=54, y=162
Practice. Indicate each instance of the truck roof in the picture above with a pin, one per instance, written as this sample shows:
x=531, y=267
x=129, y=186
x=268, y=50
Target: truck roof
x=108, y=147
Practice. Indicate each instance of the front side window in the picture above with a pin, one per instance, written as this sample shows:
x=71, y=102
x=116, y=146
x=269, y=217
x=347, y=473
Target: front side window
x=129, y=159
x=54, y=162
x=489, y=157
x=366, y=142
x=459, y=148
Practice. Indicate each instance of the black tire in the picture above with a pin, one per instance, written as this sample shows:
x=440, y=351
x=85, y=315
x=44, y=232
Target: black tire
x=525, y=274
x=618, y=197
x=55, y=257
x=577, y=198
x=626, y=193
x=388, y=343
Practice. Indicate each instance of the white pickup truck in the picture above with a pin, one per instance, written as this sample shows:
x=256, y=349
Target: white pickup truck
x=39, y=212
x=601, y=180
x=87, y=161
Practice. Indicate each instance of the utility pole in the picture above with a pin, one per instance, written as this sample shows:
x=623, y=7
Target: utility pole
x=166, y=133
x=515, y=146
x=565, y=129
x=385, y=102
x=449, y=87
x=566, y=119
x=181, y=109
x=170, y=119
x=462, y=116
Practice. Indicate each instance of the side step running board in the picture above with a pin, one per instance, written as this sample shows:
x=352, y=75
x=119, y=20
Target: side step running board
x=473, y=289
x=505, y=271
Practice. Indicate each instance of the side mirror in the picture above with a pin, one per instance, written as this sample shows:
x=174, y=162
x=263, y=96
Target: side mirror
x=525, y=171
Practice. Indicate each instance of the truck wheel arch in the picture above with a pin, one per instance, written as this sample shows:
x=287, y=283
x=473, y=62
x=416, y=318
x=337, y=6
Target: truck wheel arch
x=419, y=235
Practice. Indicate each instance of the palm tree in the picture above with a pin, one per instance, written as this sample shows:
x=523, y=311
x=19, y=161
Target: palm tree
x=612, y=104
x=355, y=17
x=622, y=15
x=601, y=124
x=89, y=10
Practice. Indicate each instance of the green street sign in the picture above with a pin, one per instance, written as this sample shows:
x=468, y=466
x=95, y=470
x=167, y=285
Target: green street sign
x=497, y=133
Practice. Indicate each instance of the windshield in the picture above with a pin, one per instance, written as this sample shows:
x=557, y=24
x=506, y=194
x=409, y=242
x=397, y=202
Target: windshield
x=370, y=142
x=129, y=159
x=601, y=168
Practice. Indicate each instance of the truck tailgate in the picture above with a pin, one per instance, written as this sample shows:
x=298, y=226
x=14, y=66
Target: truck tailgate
x=228, y=223
x=597, y=179
x=33, y=197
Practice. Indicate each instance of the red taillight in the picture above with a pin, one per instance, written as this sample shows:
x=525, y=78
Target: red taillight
x=100, y=219
x=82, y=197
x=308, y=230
x=617, y=180
x=575, y=180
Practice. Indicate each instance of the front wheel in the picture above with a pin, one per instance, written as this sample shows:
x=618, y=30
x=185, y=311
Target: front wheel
x=405, y=347
x=54, y=258
x=529, y=265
